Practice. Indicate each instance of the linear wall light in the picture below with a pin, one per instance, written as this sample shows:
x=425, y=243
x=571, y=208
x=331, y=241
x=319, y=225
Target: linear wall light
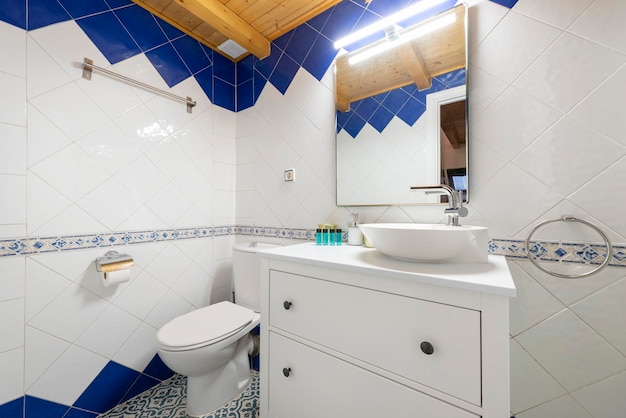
x=402, y=37
x=386, y=22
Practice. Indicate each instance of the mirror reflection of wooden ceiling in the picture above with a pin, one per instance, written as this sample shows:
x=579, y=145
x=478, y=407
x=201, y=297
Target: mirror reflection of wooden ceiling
x=252, y=24
x=415, y=62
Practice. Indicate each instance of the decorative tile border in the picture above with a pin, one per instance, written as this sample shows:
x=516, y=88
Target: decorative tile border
x=555, y=251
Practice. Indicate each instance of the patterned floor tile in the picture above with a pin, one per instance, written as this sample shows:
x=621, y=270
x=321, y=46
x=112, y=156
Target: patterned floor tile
x=168, y=400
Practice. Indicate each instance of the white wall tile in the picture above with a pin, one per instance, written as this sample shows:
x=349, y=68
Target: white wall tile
x=13, y=211
x=13, y=99
x=71, y=110
x=69, y=314
x=109, y=147
x=68, y=377
x=12, y=369
x=12, y=331
x=13, y=146
x=571, y=352
x=551, y=79
x=44, y=139
x=14, y=48
x=567, y=155
x=13, y=273
x=530, y=384
x=602, y=23
x=563, y=406
x=603, y=311
x=605, y=398
x=532, y=303
x=513, y=45
x=604, y=184
x=598, y=111
x=139, y=349
x=502, y=203
x=512, y=122
x=44, y=74
x=41, y=351
x=559, y=13
x=140, y=295
x=106, y=335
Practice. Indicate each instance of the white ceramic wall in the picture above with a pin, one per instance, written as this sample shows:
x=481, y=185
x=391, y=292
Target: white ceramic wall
x=547, y=138
x=89, y=157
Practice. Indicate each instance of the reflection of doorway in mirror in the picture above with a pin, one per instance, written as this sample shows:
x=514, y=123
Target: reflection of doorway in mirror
x=447, y=125
x=453, y=140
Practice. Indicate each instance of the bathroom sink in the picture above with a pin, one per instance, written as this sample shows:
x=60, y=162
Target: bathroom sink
x=429, y=242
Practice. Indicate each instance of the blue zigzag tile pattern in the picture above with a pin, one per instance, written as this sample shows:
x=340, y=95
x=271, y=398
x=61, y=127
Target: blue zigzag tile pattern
x=120, y=29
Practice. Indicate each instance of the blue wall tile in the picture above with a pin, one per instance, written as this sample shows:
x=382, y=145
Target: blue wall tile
x=245, y=95
x=108, y=34
x=205, y=80
x=157, y=369
x=38, y=408
x=284, y=73
x=79, y=413
x=192, y=53
x=44, y=12
x=142, y=26
x=13, y=409
x=13, y=12
x=81, y=8
x=320, y=57
x=168, y=63
x=224, y=94
x=140, y=385
x=119, y=3
x=108, y=388
x=301, y=42
x=223, y=68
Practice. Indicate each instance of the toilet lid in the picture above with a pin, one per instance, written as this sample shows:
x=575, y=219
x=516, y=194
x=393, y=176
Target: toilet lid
x=204, y=325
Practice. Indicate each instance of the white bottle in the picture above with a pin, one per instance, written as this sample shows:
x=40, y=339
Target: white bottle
x=355, y=236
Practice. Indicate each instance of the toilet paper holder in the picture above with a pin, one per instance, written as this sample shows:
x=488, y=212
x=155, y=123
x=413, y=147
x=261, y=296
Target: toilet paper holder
x=114, y=261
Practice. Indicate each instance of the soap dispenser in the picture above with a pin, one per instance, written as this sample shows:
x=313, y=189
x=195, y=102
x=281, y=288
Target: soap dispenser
x=355, y=237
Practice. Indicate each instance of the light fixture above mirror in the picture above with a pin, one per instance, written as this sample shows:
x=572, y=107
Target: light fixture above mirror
x=402, y=116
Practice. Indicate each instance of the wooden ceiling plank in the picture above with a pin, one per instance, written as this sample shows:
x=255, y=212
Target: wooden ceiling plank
x=158, y=5
x=230, y=24
x=297, y=18
x=414, y=63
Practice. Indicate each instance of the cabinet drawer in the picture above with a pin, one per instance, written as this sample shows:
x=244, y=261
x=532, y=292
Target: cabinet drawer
x=319, y=385
x=386, y=330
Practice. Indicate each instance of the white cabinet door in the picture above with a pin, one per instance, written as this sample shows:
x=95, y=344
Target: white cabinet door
x=306, y=383
x=431, y=343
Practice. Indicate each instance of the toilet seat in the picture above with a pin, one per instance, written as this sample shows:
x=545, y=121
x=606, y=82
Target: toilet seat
x=204, y=326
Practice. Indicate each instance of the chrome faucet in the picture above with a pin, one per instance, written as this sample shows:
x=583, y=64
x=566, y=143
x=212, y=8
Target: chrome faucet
x=455, y=207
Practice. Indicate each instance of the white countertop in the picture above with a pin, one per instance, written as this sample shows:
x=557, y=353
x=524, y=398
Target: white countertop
x=490, y=277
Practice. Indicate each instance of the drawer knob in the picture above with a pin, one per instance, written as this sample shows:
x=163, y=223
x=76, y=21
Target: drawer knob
x=427, y=348
x=287, y=371
x=287, y=304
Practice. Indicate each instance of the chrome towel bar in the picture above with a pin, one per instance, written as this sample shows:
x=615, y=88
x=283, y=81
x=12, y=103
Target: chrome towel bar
x=88, y=68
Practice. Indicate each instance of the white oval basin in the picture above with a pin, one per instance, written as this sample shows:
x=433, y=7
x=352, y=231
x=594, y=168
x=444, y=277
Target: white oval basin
x=429, y=242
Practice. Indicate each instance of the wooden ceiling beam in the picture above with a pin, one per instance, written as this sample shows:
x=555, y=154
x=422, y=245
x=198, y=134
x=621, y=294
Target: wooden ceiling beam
x=230, y=24
x=414, y=64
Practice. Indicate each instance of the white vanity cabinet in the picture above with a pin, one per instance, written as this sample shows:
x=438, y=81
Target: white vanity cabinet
x=348, y=332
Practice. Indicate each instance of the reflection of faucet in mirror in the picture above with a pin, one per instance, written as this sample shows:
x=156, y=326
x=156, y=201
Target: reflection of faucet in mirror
x=455, y=207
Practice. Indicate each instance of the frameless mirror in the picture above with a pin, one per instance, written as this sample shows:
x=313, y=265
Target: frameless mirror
x=402, y=116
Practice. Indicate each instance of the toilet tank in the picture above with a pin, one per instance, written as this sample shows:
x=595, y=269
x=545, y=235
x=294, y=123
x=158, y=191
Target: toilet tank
x=247, y=274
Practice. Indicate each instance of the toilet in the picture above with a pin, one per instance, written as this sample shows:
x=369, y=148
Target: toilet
x=211, y=345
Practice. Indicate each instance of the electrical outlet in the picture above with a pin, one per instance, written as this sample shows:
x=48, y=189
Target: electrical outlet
x=290, y=174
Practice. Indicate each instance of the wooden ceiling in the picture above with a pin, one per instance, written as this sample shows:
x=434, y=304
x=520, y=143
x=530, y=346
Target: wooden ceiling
x=436, y=53
x=252, y=24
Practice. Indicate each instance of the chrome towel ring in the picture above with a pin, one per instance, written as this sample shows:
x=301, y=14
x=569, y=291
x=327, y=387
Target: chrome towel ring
x=567, y=218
